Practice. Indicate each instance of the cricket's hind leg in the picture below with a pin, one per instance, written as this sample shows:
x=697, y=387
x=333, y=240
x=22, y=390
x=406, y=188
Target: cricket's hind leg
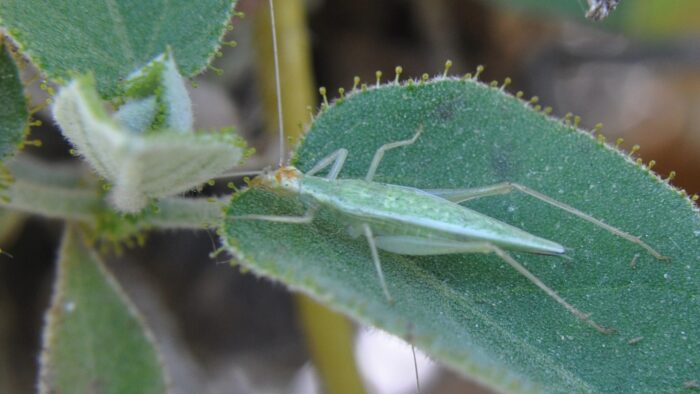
x=417, y=246
x=379, y=154
x=367, y=230
x=364, y=229
x=460, y=195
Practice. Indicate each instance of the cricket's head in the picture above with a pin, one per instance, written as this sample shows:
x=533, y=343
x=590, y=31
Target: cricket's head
x=287, y=178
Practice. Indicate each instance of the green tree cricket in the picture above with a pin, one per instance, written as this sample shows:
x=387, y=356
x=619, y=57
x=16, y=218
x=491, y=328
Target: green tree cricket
x=410, y=221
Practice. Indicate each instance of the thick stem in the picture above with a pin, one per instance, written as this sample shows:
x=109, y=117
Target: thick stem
x=53, y=201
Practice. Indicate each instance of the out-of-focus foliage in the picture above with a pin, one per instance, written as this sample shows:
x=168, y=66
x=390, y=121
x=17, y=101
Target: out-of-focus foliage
x=643, y=18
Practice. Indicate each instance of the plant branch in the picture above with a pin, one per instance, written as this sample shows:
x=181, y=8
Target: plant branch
x=43, y=190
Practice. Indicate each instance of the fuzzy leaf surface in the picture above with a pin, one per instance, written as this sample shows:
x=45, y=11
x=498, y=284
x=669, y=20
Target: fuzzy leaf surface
x=13, y=105
x=113, y=38
x=141, y=166
x=94, y=341
x=473, y=312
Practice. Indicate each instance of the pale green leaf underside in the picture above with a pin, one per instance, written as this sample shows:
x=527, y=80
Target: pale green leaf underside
x=94, y=341
x=13, y=106
x=114, y=38
x=473, y=312
x=139, y=166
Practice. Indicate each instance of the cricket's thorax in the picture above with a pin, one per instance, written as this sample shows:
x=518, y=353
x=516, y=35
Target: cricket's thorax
x=400, y=210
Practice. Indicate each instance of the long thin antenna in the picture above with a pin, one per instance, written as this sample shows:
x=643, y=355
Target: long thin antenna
x=415, y=367
x=234, y=174
x=280, y=120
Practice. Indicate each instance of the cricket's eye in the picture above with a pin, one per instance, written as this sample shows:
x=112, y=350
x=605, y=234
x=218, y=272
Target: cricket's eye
x=286, y=181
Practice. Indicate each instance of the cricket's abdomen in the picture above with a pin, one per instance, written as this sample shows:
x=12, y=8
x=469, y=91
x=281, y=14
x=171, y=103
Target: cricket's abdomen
x=400, y=210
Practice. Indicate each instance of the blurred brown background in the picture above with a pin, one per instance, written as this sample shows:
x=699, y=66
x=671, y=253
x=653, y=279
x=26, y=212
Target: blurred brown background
x=227, y=332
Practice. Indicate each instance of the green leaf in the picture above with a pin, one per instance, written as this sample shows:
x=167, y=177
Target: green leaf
x=14, y=115
x=473, y=312
x=114, y=38
x=171, y=108
x=94, y=340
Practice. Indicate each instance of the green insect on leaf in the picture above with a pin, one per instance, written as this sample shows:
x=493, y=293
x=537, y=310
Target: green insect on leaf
x=472, y=311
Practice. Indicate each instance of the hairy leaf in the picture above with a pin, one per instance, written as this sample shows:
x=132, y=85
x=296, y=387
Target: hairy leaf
x=13, y=106
x=94, y=340
x=141, y=165
x=114, y=38
x=473, y=312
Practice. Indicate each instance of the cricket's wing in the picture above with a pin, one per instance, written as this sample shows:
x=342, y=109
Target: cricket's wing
x=400, y=210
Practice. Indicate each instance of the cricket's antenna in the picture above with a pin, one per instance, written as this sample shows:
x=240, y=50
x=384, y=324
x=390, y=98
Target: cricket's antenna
x=234, y=174
x=278, y=89
x=415, y=368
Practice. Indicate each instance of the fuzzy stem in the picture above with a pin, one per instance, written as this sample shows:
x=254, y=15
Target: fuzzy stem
x=43, y=190
x=188, y=213
x=53, y=202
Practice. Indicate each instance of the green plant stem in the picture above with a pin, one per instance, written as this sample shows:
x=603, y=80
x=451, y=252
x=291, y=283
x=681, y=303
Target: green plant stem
x=188, y=213
x=52, y=201
x=65, y=193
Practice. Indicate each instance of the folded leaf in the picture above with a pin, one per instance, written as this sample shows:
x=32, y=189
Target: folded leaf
x=141, y=165
x=161, y=81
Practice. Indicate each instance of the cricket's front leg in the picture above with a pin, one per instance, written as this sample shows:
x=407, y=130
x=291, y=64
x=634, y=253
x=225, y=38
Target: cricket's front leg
x=308, y=217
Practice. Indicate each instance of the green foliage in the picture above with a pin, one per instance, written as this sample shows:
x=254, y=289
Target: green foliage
x=575, y=9
x=473, y=312
x=94, y=341
x=13, y=106
x=112, y=39
x=162, y=89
